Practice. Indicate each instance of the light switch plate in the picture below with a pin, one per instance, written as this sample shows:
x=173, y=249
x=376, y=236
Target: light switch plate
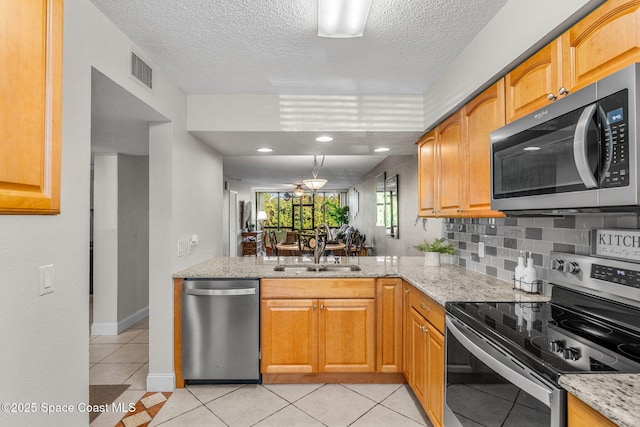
x=182, y=247
x=46, y=278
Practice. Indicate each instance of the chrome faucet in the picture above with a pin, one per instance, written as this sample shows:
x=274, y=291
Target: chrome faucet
x=318, y=250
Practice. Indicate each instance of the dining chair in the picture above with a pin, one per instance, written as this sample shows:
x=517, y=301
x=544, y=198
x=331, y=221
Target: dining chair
x=273, y=242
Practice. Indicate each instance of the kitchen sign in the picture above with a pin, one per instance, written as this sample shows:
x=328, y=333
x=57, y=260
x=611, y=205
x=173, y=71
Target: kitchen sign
x=618, y=244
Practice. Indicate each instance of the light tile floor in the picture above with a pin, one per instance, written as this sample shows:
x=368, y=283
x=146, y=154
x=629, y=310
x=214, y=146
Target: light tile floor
x=124, y=359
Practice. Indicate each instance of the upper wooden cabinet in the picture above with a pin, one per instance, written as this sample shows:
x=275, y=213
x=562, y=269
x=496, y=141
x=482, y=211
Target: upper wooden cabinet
x=535, y=82
x=450, y=158
x=605, y=41
x=30, y=106
x=602, y=43
x=454, y=165
x=427, y=174
x=480, y=117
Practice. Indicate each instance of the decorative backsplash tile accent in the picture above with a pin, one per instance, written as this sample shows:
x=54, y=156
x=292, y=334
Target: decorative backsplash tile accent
x=504, y=238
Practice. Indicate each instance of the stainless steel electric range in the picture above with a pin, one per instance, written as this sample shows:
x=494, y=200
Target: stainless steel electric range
x=504, y=359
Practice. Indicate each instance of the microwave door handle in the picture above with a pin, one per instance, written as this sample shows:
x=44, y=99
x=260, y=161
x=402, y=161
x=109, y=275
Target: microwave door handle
x=580, y=147
x=609, y=142
x=500, y=362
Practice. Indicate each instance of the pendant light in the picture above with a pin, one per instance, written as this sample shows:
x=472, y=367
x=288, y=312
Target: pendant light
x=315, y=183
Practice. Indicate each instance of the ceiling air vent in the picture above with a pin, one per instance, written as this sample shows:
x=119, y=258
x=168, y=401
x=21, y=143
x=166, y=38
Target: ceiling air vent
x=141, y=71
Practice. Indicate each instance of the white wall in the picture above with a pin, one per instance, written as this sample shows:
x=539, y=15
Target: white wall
x=105, y=245
x=133, y=239
x=410, y=232
x=45, y=351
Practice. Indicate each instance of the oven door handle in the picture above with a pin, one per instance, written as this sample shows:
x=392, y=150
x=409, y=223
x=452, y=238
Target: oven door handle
x=580, y=147
x=500, y=362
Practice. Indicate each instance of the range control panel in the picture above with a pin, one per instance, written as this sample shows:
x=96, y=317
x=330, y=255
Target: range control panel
x=613, y=277
x=621, y=276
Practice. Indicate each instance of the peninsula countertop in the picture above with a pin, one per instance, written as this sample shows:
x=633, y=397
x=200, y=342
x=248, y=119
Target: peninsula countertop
x=614, y=395
x=445, y=283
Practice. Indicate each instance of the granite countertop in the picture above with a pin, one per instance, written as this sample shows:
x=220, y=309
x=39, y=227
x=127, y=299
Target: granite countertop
x=445, y=283
x=616, y=396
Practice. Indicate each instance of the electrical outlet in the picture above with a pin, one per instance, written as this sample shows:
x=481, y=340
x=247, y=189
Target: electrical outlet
x=481, y=249
x=182, y=247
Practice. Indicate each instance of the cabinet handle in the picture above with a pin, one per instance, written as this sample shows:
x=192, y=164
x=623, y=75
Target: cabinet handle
x=407, y=291
x=424, y=306
x=321, y=306
x=315, y=306
x=562, y=91
x=551, y=97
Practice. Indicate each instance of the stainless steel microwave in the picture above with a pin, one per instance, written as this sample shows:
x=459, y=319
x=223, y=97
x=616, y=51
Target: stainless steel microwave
x=579, y=154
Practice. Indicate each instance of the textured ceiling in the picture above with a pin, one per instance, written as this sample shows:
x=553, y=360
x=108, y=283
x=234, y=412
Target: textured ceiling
x=271, y=47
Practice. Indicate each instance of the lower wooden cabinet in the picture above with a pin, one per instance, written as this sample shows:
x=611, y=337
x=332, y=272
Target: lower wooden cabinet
x=324, y=335
x=318, y=326
x=389, y=325
x=424, y=352
x=579, y=414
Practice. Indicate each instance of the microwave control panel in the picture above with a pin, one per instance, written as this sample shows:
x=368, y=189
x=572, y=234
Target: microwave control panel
x=616, y=135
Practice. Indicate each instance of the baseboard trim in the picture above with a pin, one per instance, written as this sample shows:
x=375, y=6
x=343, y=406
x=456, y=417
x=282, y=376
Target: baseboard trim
x=104, y=328
x=111, y=328
x=131, y=320
x=161, y=382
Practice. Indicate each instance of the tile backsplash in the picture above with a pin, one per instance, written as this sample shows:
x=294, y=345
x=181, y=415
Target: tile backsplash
x=504, y=238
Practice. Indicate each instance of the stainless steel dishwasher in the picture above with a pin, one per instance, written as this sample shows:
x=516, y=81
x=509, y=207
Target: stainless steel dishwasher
x=221, y=330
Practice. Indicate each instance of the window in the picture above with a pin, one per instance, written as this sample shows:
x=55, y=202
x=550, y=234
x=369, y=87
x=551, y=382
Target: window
x=285, y=211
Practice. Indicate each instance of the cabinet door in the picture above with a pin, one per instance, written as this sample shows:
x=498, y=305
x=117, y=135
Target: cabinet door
x=419, y=358
x=605, y=41
x=528, y=85
x=451, y=160
x=407, y=346
x=481, y=116
x=289, y=337
x=389, y=325
x=580, y=414
x=30, y=106
x=427, y=175
x=435, y=375
x=347, y=335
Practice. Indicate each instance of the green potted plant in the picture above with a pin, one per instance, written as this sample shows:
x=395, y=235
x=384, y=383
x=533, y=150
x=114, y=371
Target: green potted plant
x=340, y=214
x=432, y=251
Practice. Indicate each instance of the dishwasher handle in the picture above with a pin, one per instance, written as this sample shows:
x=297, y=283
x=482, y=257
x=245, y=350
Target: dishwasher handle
x=220, y=292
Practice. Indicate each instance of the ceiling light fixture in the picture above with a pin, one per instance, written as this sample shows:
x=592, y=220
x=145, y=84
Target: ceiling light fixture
x=265, y=150
x=299, y=191
x=324, y=138
x=315, y=183
x=381, y=149
x=342, y=18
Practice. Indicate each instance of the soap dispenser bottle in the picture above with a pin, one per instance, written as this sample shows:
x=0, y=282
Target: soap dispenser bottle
x=530, y=276
x=519, y=273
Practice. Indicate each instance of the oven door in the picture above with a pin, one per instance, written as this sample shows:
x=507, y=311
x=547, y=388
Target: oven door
x=550, y=159
x=486, y=386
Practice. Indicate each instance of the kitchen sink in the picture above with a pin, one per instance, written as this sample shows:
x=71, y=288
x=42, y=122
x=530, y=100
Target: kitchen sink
x=340, y=267
x=295, y=268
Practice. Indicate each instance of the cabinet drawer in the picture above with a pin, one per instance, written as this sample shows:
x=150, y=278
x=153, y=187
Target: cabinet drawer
x=429, y=309
x=318, y=288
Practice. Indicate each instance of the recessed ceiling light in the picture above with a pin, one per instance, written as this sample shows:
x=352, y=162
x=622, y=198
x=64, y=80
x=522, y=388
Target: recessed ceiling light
x=381, y=149
x=325, y=138
x=531, y=148
x=265, y=150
